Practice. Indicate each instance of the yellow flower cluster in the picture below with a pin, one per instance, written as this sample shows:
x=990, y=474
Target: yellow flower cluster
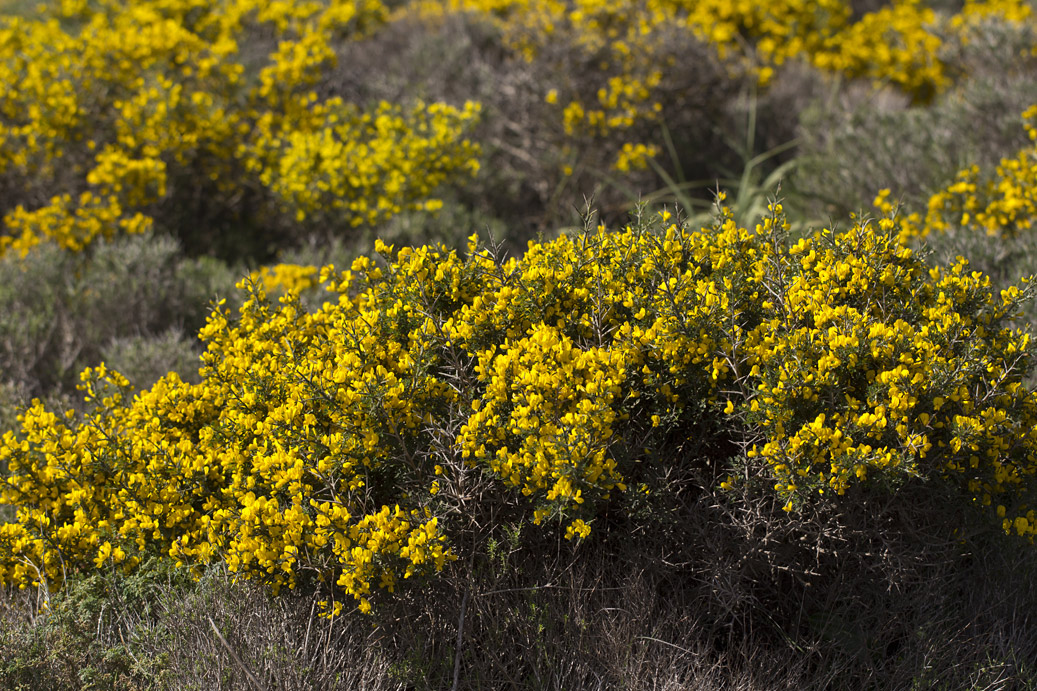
x=873, y=364
x=975, y=12
x=286, y=278
x=897, y=43
x=72, y=224
x=903, y=43
x=1001, y=205
x=253, y=466
x=546, y=416
x=338, y=446
x=365, y=166
x=780, y=31
x=118, y=115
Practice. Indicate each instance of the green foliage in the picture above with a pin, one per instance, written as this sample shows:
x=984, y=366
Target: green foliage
x=747, y=192
x=145, y=360
x=93, y=633
x=60, y=312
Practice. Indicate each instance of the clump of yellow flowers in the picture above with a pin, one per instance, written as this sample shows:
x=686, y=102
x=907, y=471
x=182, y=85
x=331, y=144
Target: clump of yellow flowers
x=283, y=278
x=352, y=445
x=119, y=116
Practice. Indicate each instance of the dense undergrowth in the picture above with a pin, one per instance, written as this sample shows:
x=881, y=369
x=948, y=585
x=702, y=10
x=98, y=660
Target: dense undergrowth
x=694, y=350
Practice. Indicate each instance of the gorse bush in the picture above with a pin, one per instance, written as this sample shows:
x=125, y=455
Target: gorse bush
x=354, y=445
x=122, y=116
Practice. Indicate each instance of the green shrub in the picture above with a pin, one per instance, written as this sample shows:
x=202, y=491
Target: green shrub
x=62, y=311
x=92, y=634
x=145, y=360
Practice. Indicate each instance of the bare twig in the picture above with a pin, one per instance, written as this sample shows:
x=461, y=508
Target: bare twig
x=460, y=637
x=234, y=656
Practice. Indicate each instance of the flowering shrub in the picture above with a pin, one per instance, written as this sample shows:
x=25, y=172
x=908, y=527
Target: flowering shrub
x=115, y=117
x=328, y=172
x=929, y=384
x=896, y=43
x=345, y=445
x=616, y=74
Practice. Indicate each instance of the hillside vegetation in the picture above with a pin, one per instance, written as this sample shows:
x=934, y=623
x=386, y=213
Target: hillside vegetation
x=529, y=344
